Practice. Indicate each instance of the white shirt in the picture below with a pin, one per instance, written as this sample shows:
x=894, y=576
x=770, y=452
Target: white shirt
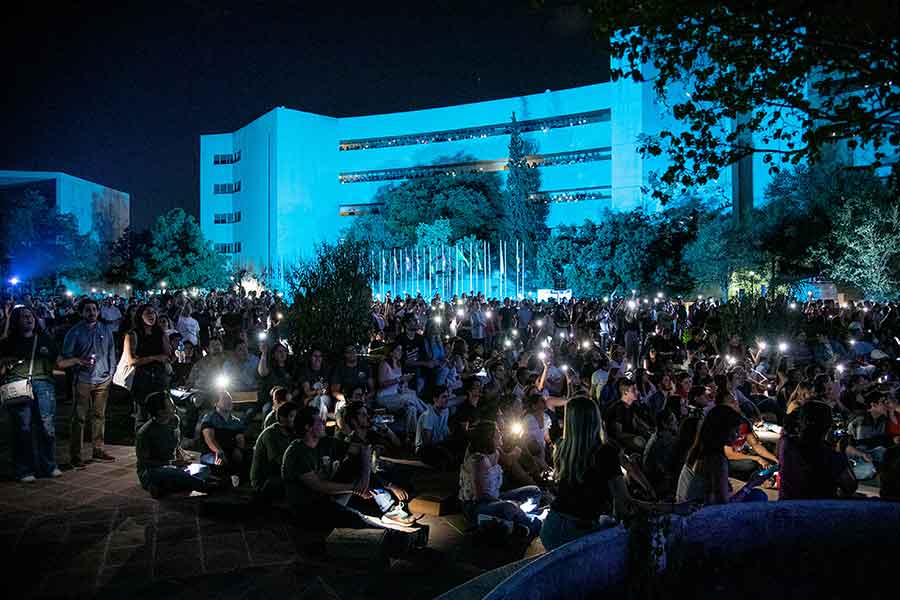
x=189, y=329
x=535, y=432
x=434, y=422
x=467, y=479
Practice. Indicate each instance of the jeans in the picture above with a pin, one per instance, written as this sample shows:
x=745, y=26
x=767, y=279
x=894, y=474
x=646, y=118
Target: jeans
x=509, y=507
x=171, y=479
x=34, y=449
x=147, y=380
x=560, y=528
x=407, y=405
x=89, y=397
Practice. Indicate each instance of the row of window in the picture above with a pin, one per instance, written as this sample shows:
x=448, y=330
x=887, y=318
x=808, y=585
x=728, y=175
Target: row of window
x=599, y=192
x=226, y=188
x=454, y=169
x=222, y=218
x=229, y=248
x=468, y=133
x=226, y=159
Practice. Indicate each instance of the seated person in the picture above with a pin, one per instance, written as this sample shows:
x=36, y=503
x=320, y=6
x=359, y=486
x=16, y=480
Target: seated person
x=268, y=454
x=223, y=434
x=748, y=454
x=277, y=396
x=811, y=467
x=623, y=426
x=243, y=367
x=591, y=488
x=659, y=453
x=467, y=413
x=387, y=497
x=433, y=433
x=704, y=476
x=869, y=429
x=158, y=450
x=481, y=477
x=314, y=497
x=536, y=439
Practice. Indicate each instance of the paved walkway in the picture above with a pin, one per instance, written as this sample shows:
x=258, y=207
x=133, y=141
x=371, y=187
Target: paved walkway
x=95, y=532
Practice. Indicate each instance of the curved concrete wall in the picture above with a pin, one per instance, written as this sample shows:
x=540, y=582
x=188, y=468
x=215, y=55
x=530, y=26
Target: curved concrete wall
x=596, y=563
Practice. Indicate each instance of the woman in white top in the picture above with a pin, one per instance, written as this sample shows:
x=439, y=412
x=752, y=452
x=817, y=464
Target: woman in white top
x=480, y=478
x=393, y=394
x=188, y=326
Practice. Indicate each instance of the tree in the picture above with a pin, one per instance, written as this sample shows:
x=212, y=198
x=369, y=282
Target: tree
x=719, y=250
x=434, y=234
x=863, y=249
x=178, y=254
x=784, y=79
x=331, y=299
x=118, y=263
x=525, y=216
x=39, y=242
x=469, y=201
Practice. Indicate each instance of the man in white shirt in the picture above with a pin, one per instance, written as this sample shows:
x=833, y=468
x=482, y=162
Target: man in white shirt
x=433, y=432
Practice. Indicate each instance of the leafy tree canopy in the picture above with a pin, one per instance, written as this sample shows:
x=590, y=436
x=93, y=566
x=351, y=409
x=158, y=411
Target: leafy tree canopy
x=784, y=79
x=178, y=254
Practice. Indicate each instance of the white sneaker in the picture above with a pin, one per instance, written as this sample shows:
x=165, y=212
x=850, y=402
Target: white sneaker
x=27, y=479
x=235, y=481
x=56, y=473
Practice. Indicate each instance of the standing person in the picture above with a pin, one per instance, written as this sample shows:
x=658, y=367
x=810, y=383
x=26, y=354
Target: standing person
x=147, y=350
x=91, y=341
x=27, y=353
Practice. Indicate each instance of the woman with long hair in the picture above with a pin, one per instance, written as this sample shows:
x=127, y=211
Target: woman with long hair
x=704, y=476
x=147, y=350
x=28, y=354
x=591, y=488
x=393, y=391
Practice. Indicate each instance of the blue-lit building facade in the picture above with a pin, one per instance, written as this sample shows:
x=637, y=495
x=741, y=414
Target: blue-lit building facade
x=274, y=188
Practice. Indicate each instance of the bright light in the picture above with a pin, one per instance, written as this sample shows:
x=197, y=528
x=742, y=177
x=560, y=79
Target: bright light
x=564, y=368
x=515, y=332
x=762, y=345
x=128, y=287
x=544, y=343
x=606, y=298
x=782, y=346
x=69, y=293
x=528, y=506
x=460, y=312
x=262, y=336
x=517, y=428
x=488, y=314
x=809, y=294
x=14, y=280
x=507, y=343
x=840, y=368
x=730, y=360
x=852, y=342
x=843, y=305
x=792, y=305
x=646, y=301
x=93, y=290
x=279, y=316
x=162, y=284
x=633, y=292
x=659, y=295
x=279, y=294
x=437, y=319
x=865, y=309
x=632, y=304
x=562, y=335
x=539, y=322
x=629, y=366
x=223, y=381
x=752, y=273
x=699, y=297
x=586, y=344
x=459, y=302
x=542, y=355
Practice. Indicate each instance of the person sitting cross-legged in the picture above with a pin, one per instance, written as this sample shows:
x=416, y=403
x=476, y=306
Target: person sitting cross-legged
x=223, y=433
x=158, y=449
x=268, y=454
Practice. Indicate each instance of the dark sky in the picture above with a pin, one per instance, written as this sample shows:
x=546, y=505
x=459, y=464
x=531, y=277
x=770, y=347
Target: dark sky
x=119, y=93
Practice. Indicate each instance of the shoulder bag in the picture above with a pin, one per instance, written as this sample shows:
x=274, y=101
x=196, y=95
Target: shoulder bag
x=124, y=375
x=19, y=392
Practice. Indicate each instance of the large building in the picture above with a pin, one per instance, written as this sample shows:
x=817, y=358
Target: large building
x=100, y=211
x=272, y=189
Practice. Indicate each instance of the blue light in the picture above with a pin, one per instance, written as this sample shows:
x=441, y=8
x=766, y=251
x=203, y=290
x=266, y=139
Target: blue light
x=14, y=280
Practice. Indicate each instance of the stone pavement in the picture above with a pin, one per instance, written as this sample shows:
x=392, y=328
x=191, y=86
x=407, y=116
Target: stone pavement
x=96, y=533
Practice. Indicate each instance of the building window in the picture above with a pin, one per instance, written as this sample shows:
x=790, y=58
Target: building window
x=226, y=188
x=451, y=170
x=223, y=218
x=228, y=248
x=599, y=192
x=226, y=159
x=469, y=133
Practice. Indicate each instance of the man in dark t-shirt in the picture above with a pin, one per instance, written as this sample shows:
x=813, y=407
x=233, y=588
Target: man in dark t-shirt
x=351, y=373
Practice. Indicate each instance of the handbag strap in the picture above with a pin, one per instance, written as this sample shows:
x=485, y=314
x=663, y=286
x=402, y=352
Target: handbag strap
x=33, y=348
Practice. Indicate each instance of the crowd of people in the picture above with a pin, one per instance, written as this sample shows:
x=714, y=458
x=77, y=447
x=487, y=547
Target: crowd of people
x=560, y=417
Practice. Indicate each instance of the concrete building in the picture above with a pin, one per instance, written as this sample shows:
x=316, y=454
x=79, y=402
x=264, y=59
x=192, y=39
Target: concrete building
x=101, y=211
x=272, y=189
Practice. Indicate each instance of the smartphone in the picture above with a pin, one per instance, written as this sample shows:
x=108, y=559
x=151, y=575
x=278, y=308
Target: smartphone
x=768, y=471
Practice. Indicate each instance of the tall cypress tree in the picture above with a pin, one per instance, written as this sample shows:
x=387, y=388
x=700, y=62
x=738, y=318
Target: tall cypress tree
x=526, y=217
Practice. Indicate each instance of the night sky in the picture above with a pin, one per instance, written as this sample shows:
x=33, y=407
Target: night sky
x=119, y=94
